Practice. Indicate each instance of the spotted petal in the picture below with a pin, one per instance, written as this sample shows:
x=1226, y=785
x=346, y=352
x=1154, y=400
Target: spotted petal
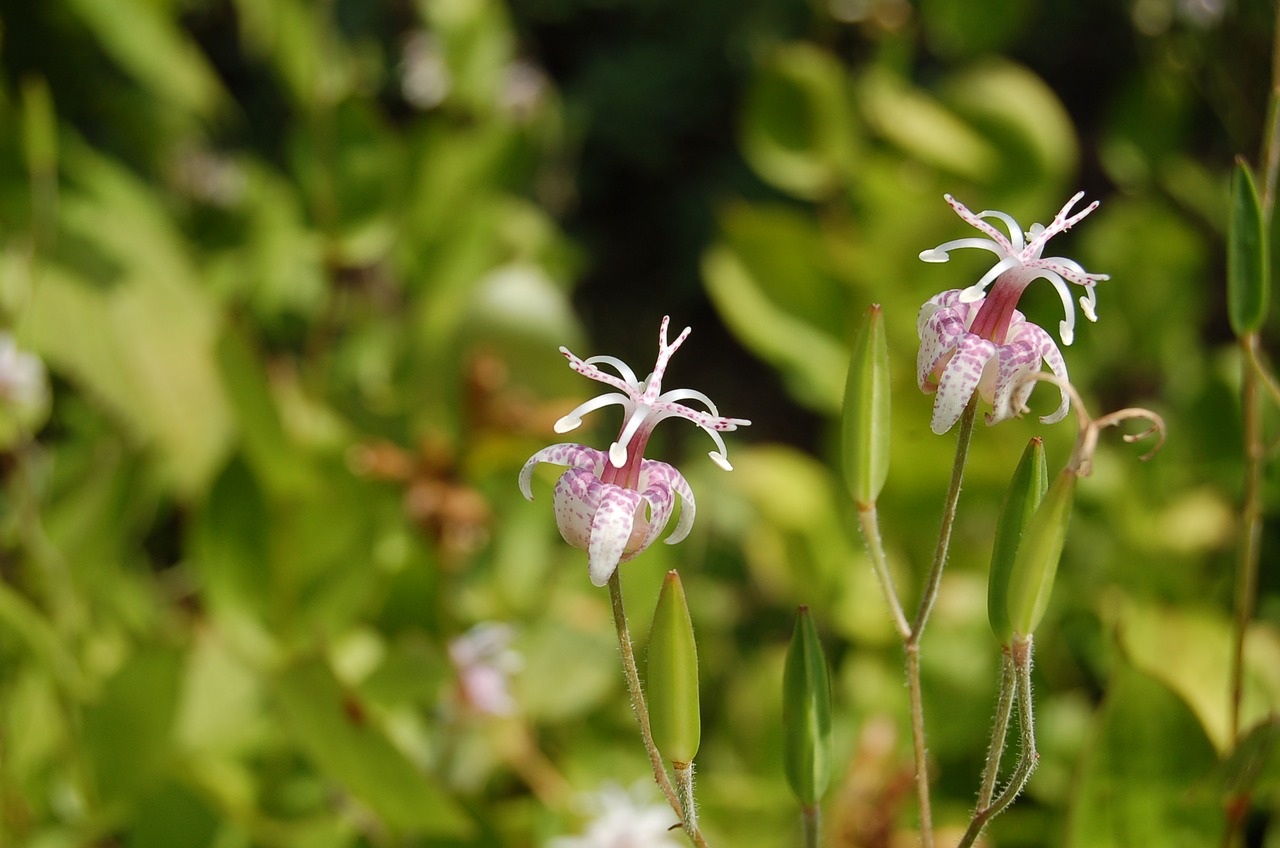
x=960, y=378
x=611, y=528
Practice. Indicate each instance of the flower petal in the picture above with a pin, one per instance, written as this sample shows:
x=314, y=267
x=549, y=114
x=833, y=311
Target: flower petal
x=610, y=531
x=959, y=380
x=578, y=456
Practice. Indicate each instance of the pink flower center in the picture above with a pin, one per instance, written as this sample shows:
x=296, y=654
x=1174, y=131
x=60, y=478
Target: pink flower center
x=996, y=313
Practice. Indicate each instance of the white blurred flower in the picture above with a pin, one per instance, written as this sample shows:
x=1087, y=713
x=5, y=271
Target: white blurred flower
x=425, y=79
x=23, y=381
x=485, y=661
x=523, y=90
x=623, y=819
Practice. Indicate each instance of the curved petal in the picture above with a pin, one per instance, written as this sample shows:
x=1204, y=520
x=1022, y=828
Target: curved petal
x=942, y=331
x=1014, y=361
x=578, y=456
x=610, y=531
x=577, y=497
x=959, y=380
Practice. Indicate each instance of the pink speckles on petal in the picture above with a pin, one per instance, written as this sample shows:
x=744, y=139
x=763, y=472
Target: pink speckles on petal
x=610, y=531
x=578, y=456
x=960, y=380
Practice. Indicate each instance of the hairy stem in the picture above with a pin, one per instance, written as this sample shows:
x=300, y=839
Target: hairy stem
x=684, y=789
x=911, y=644
x=870, y=523
x=1028, y=756
x=641, y=710
x=999, y=729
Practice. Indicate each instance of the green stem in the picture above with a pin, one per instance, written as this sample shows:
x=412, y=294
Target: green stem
x=1028, y=756
x=684, y=789
x=641, y=709
x=948, y=522
x=1251, y=525
x=811, y=822
x=912, y=642
x=870, y=523
x=999, y=730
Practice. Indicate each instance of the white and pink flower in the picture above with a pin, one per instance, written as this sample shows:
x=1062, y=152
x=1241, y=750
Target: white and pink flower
x=975, y=340
x=614, y=504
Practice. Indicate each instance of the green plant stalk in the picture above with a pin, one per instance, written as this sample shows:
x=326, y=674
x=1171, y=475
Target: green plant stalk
x=999, y=729
x=1028, y=757
x=927, y=600
x=684, y=789
x=639, y=707
x=1250, y=548
x=870, y=523
x=811, y=823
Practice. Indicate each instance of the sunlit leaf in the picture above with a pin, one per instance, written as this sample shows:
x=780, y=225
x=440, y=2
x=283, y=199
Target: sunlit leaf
x=349, y=748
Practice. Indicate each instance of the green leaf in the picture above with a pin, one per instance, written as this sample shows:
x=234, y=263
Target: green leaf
x=1026, y=490
x=865, y=423
x=154, y=50
x=797, y=127
x=346, y=745
x=1248, y=268
x=806, y=713
x=128, y=732
x=1141, y=781
x=671, y=677
x=810, y=360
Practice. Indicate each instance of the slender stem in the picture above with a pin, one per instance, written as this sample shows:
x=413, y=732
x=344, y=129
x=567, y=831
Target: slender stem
x=1251, y=525
x=948, y=521
x=642, y=711
x=684, y=789
x=637, y=693
x=1028, y=756
x=999, y=729
x=811, y=822
x=911, y=644
x=918, y=743
x=870, y=523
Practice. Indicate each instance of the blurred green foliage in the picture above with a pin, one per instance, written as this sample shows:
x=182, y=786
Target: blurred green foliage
x=299, y=271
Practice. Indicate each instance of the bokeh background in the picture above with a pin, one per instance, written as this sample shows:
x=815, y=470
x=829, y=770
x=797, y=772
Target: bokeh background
x=298, y=272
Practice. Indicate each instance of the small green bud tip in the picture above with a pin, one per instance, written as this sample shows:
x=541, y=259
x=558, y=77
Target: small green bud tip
x=806, y=713
x=1026, y=490
x=1248, y=267
x=1036, y=563
x=672, y=676
x=865, y=424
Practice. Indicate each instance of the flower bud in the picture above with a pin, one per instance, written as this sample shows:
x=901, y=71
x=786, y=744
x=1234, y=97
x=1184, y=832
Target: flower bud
x=1036, y=563
x=1248, y=271
x=865, y=425
x=672, y=676
x=806, y=713
x=1026, y=491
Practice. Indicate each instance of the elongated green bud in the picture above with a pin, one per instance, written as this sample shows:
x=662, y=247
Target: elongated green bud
x=673, y=676
x=865, y=438
x=1036, y=563
x=1248, y=269
x=806, y=713
x=1026, y=491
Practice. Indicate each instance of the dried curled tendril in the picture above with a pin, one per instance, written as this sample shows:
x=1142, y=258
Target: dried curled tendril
x=1087, y=439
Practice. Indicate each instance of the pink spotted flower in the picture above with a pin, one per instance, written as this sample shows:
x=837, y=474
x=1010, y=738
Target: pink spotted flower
x=614, y=504
x=975, y=339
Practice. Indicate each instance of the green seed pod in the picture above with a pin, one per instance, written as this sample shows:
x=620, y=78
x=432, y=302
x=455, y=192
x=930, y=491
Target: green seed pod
x=1248, y=269
x=1026, y=490
x=806, y=713
x=672, y=676
x=865, y=425
x=1036, y=563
